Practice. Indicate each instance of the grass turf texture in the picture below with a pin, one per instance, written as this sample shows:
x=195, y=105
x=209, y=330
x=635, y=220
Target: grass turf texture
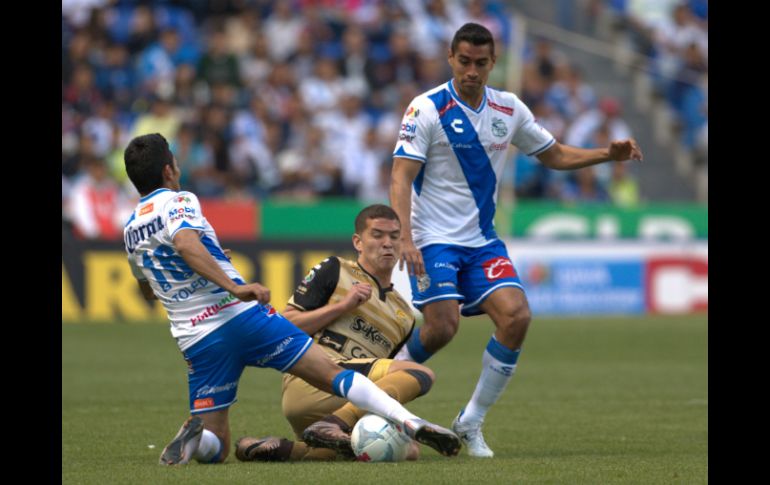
x=605, y=400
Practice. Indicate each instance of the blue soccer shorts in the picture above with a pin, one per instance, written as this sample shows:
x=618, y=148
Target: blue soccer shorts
x=258, y=337
x=461, y=273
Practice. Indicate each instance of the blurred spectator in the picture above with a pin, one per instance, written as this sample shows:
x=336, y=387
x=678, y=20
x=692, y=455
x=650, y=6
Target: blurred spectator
x=115, y=76
x=323, y=90
x=161, y=119
x=582, y=186
x=283, y=28
x=81, y=93
x=623, y=188
x=586, y=125
x=571, y=97
x=196, y=163
x=218, y=65
x=97, y=207
x=142, y=29
x=256, y=64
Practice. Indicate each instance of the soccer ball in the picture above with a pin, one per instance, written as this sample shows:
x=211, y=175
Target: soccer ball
x=375, y=438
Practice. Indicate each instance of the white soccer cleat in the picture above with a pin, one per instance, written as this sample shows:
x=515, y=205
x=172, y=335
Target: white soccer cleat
x=471, y=436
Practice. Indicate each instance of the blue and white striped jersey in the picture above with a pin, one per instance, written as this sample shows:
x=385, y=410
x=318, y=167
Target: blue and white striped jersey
x=194, y=305
x=463, y=152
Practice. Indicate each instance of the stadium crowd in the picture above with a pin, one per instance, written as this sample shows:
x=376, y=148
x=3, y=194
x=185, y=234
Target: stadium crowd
x=300, y=99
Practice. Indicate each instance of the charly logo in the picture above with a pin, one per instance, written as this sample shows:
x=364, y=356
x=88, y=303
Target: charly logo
x=498, y=127
x=423, y=282
x=455, y=124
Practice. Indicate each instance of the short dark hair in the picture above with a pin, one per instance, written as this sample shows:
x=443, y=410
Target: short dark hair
x=475, y=34
x=145, y=158
x=376, y=211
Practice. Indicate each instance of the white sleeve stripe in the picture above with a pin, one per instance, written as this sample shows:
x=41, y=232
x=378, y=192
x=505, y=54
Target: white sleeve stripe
x=406, y=155
x=543, y=148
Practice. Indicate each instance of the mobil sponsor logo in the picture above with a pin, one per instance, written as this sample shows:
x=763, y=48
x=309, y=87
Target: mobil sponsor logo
x=409, y=128
x=178, y=212
x=499, y=267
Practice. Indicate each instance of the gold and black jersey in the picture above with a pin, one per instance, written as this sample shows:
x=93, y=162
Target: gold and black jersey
x=377, y=328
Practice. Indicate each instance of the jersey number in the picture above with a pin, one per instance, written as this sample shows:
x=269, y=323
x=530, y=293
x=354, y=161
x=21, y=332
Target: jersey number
x=169, y=262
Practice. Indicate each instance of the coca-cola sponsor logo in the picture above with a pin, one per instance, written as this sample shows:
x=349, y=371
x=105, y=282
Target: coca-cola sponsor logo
x=497, y=268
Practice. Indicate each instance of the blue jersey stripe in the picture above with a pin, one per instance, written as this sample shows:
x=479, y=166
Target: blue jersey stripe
x=474, y=161
x=418, y=180
x=402, y=153
x=213, y=249
x=133, y=216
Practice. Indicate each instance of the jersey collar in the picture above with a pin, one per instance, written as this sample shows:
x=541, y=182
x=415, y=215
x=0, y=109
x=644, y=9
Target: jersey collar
x=383, y=292
x=153, y=194
x=457, y=98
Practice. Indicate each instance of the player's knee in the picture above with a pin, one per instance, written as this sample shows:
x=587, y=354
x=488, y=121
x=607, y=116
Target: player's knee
x=425, y=378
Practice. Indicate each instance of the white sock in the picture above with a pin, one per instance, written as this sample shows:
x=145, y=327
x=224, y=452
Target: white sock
x=363, y=393
x=208, y=448
x=404, y=354
x=498, y=366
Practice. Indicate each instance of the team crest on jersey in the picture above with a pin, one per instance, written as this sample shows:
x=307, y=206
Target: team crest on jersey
x=423, y=282
x=498, y=127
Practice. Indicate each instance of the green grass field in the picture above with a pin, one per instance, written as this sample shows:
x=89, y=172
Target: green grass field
x=599, y=401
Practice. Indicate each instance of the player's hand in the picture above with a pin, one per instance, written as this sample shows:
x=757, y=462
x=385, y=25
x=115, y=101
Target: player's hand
x=625, y=150
x=252, y=291
x=358, y=295
x=412, y=257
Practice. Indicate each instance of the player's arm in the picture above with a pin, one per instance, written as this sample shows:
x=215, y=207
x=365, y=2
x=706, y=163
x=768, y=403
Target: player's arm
x=187, y=243
x=566, y=157
x=314, y=320
x=146, y=289
x=404, y=172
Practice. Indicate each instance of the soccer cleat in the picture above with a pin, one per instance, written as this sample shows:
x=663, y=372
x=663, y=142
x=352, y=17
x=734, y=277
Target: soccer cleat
x=184, y=444
x=329, y=432
x=471, y=435
x=439, y=438
x=271, y=448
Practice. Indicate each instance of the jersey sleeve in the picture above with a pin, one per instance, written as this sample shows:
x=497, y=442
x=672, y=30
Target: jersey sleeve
x=530, y=137
x=318, y=285
x=183, y=211
x=416, y=131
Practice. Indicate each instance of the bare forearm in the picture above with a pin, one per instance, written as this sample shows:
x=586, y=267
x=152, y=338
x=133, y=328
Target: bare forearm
x=314, y=320
x=565, y=157
x=401, y=202
x=199, y=260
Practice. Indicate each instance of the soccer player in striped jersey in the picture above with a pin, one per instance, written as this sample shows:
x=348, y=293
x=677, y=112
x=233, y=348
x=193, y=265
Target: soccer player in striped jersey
x=448, y=163
x=353, y=312
x=221, y=323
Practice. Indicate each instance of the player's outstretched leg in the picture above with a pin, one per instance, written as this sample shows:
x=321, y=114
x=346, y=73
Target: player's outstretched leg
x=184, y=444
x=271, y=448
x=329, y=432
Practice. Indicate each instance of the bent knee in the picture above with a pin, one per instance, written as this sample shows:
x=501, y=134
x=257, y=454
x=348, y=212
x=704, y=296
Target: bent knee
x=424, y=376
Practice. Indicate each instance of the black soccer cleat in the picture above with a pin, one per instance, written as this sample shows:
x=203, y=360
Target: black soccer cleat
x=271, y=448
x=439, y=438
x=330, y=432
